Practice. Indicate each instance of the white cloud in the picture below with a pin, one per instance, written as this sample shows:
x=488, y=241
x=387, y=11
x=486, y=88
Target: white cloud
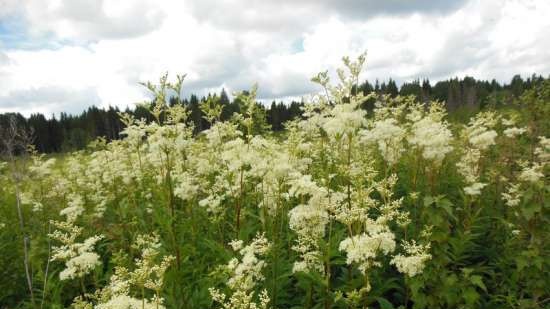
x=83, y=20
x=44, y=99
x=106, y=47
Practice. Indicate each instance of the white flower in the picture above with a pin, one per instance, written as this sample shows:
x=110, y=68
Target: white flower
x=433, y=137
x=74, y=209
x=531, y=173
x=388, y=135
x=362, y=249
x=80, y=265
x=128, y=302
x=468, y=165
x=482, y=139
x=345, y=119
x=474, y=189
x=543, y=151
x=413, y=263
x=246, y=273
x=512, y=197
x=513, y=132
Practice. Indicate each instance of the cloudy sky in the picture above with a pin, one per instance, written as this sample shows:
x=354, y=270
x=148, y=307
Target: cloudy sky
x=65, y=55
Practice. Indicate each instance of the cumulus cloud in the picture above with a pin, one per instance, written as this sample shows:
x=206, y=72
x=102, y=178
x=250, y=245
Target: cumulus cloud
x=82, y=21
x=109, y=46
x=4, y=59
x=291, y=15
x=48, y=100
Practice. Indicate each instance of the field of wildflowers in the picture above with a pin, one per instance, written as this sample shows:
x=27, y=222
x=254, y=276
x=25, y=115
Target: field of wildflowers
x=398, y=207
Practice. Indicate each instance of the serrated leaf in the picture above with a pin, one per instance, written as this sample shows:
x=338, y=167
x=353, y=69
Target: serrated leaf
x=478, y=281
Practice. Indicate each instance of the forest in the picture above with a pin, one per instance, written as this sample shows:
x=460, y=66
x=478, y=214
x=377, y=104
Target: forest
x=66, y=132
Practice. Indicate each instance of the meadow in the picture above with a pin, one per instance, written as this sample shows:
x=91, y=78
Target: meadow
x=401, y=206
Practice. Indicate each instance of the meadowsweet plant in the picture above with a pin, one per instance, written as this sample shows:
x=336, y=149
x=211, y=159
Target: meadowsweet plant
x=415, y=259
x=478, y=137
x=367, y=200
x=79, y=257
x=147, y=275
x=430, y=133
x=245, y=275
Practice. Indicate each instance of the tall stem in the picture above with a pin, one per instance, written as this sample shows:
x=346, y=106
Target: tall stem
x=239, y=202
x=47, y=269
x=16, y=179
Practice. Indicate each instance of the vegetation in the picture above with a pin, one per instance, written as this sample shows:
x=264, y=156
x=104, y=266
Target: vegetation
x=366, y=200
x=67, y=132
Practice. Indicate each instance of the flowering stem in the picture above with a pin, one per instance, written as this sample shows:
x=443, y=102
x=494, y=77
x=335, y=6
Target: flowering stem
x=47, y=268
x=327, y=267
x=239, y=202
x=82, y=286
x=16, y=178
x=142, y=298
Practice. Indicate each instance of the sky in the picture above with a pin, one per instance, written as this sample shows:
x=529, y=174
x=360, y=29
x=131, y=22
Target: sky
x=66, y=55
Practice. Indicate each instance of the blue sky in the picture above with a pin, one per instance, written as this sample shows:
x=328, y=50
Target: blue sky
x=65, y=55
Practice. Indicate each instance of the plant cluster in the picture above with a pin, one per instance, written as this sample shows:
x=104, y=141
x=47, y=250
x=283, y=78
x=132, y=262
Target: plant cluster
x=398, y=207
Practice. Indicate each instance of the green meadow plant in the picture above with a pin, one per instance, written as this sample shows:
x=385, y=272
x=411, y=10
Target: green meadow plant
x=398, y=207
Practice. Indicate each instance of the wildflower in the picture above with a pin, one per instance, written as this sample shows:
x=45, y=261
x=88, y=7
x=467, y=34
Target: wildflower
x=248, y=270
x=388, y=135
x=345, y=119
x=80, y=265
x=512, y=196
x=479, y=131
x=474, y=188
x=79, y=257
x=543, y=150
x=481, y=139
x=362, y=249
x=432, y=137
x=531, y=173
x=245, y=274
x=513, y=132
x=74, y=209
x=413, y=263
x=128, y=302
x=149, y=272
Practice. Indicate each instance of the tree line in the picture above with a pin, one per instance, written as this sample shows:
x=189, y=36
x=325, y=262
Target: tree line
x=73, y=132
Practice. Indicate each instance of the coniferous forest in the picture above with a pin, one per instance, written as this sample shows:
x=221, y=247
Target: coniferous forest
x=67, y=132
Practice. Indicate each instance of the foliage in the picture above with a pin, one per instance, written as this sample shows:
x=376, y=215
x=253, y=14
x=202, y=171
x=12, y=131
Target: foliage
x=397, y=207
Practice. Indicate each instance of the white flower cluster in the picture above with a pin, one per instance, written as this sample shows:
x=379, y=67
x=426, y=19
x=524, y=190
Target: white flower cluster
x=514, y=131
x=128, y=302
x=479, y=132
x=531, y=173
x=309, y=222
x=389, y=136
x=543, y=150
x=345, y=119
x=479, y=137
x=79, y=257
x=512, y=197
x=148, y=274
x=362, y=249
x=430, y=133
x=246, y=273
x=414, y=261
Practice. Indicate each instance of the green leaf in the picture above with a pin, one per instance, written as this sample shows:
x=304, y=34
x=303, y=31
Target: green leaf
x=529, y=210
x=384, y=303
x=428, y=200
x=478, y=281
x=470, y=295
x=521, y=263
